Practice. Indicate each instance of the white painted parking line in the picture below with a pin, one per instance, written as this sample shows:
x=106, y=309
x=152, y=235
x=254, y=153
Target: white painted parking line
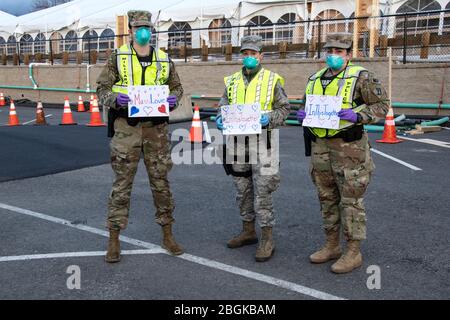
x=433, y=142
x=25, y=123
x=74, y=255
x=198, y=260
x=261, y=277
x=79, y=227
x=403, y=163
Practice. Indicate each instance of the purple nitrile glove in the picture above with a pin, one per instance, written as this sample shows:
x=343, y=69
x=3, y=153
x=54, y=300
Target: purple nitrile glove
x=301, y=115
x=348, y=115
x=123, y=99
x=172, y=100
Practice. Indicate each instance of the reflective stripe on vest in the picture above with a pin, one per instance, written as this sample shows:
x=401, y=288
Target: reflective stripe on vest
x=261, y=89
x=130, y=69
x=343, y=85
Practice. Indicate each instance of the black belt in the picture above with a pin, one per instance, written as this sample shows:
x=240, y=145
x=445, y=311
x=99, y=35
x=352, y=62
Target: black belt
x=352, y=134
x=229, y=167
x=355, y=133
x=133, y=122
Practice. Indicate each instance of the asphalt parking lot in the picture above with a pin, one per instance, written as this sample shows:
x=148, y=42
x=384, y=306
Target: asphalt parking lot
x=54, y=186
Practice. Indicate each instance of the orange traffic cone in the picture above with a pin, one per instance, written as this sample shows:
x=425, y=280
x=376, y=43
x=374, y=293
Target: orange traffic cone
x=96, y=118
x=2, y=100
x=67, y=119
x=40, y=115
x=91, y=103
x=81, y=107
x=13, y=118
x=390, y=133
x=196, y=133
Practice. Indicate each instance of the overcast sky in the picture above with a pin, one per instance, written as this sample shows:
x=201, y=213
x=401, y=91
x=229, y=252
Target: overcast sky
x=16, y=7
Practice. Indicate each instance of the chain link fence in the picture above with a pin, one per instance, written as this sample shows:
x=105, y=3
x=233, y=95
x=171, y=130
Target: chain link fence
x=413, y=37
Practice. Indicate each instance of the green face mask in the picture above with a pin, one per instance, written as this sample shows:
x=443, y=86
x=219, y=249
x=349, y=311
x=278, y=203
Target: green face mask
x=250, y=62
x=143, y=36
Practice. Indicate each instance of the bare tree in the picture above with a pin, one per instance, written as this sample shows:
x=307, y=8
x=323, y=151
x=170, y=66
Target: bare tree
x=44, y=4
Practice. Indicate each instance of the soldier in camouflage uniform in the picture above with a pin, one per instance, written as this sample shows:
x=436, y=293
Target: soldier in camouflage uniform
x=342, y=165
x=138, y=63
x=255, y=181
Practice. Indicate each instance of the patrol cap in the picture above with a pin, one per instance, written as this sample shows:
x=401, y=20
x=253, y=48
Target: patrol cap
x=251, y=43
x=341, y=40
x=140, y=18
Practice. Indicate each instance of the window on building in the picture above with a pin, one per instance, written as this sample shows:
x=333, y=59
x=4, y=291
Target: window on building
x=11, y=46
x=90, y=41
x=57, y=42
x=290, y=33
x=447, y=20
x=420, y=23
x=71, y=42
x=26, y=44
x=39, y=43
x=177, y=32
x=2, y=45
x=220, y=37
x=107, y=40
x=261, y=26
x=329, y=23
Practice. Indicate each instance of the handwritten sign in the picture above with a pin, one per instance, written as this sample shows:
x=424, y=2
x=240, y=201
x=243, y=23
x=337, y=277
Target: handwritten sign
x=242, y=119
x=322, y=112
x=148, y=101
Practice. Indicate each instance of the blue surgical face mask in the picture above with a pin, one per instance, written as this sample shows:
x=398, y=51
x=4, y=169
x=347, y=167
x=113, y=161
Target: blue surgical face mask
x=250, y=62
x=143, y=36
x=335, y=62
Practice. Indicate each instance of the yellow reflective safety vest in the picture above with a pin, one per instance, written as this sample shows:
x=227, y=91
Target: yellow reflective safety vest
x=261, y=89
x=343, y=85
x=130, y=69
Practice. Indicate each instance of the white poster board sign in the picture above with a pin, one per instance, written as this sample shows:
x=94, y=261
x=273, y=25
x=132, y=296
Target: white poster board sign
x=322, y=111
x=242, y=119
x=148, y=101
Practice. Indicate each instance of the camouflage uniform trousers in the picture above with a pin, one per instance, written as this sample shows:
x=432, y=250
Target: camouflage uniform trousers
x=254, y=194
x=127, y=146
x=342, y=172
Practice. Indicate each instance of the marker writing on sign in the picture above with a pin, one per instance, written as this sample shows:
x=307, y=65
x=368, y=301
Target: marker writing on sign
x=315, y=111
x=148, y=100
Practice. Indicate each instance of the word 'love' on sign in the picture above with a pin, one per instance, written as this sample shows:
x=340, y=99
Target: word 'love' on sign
x=148, y=101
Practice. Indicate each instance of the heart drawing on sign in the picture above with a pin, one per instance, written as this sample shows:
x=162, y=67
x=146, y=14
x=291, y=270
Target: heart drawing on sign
x=255, y=107
x=308, y=120
x=226, y=109
x=243, y=127
x=240, y=108
x=255, y=127
x=148, y=110
x=162, y=109
x=134, y=111
x=334, y=123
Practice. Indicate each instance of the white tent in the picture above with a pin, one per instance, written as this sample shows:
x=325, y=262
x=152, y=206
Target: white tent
x=87, y=14
x=83, y=14
x=7, y=23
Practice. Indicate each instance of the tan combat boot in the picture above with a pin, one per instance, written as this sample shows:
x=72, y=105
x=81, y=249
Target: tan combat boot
x=330, y=251
x=266, y=247
x=351, y=260
x=169, y=242
x=247, y=237
x=113, y=254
